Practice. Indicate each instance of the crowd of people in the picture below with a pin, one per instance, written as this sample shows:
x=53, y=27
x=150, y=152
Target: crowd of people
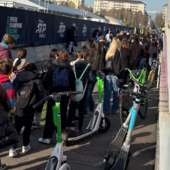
x=21, y=86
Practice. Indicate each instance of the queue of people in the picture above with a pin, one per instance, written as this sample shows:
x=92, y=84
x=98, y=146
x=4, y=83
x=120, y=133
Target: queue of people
x=21, y=86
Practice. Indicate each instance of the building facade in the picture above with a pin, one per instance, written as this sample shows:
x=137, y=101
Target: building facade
x=107, y=5
x=164, y=12
x=58, y=1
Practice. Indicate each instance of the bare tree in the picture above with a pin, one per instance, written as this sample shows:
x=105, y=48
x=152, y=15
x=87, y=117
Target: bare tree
x=159, y=20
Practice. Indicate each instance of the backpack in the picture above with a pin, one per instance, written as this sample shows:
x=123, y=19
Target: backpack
x=25, y=97
x=79, y=85
x=60, y=77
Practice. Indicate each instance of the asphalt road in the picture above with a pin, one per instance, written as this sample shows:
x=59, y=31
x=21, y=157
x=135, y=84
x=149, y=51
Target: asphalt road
x=88, y=153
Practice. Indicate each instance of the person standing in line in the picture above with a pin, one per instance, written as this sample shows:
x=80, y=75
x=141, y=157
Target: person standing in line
x=108, y=38
x=28, y=91
x=71, y=38
x=81, y=66
x=125, y=54
x=8, y=134
x=152, y=53
x=112, y=71
x=137, y=53
x=5, y=71
x=97, y=62
x=19, y=63
x=53, y=55
x=8, y=42
x=59, y=78
x=145, y=57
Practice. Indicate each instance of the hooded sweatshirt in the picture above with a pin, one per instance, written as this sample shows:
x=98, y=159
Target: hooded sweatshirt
x=49, y=76
x=31, y=78
x=10, y=90
x=4, y=51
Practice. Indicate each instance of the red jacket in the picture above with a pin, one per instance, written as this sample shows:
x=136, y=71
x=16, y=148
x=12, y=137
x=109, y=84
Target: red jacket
x=4, y=52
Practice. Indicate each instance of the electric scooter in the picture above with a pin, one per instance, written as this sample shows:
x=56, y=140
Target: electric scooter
x=98, y=122
x=57, y=160
x=117, y=156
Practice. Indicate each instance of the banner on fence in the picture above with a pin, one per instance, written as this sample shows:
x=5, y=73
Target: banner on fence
x=40, y=28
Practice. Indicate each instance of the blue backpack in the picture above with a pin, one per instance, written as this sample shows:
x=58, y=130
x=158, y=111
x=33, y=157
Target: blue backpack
x=60, y=77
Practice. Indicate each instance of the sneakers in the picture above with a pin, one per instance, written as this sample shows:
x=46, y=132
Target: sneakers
x=45, y=141
x=12, y=153
x=36, y=126
x=25, y=149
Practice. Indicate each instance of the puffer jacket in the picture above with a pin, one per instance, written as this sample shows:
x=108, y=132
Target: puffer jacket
x=5, y=51
x=8, y=134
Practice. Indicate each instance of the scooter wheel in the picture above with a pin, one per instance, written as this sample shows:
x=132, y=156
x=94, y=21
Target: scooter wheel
x=106, y=127
x=70, y=134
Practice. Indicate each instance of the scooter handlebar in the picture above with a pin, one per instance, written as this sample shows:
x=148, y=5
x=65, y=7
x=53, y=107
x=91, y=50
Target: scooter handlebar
x=137, y=94
x=41, y=102
x=56, y=97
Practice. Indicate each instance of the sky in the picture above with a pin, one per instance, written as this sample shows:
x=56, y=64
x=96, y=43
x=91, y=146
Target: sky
x=151, y=5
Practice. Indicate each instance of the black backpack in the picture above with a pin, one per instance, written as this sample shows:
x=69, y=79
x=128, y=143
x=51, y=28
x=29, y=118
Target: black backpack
x=25, y=97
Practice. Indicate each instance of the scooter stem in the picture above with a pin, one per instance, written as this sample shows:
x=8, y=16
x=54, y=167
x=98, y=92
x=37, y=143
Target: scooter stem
x=100, y=88
x=57, y=121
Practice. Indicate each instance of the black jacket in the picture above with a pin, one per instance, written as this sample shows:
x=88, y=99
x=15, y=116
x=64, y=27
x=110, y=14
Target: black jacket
x=80, y=67
x=49, y=76
x=125, y=56
x=104, y=47
x=25, y=77
x=116, y=65
x=70, y=35
x=146, y=52
x=96, y=33
x=98, y=63
x=8, y=134
x=137, y=53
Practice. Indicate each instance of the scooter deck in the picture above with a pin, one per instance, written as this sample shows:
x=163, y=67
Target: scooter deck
x=83, y=132
x=122, y=159
x=116, y=144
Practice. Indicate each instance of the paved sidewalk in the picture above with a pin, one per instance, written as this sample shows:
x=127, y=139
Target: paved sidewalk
x=88, y=153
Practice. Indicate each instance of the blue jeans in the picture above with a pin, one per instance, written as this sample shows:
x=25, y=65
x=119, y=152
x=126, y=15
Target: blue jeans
x=151, y=62
x=110, y=84
x=89, y=100
x=142, y=63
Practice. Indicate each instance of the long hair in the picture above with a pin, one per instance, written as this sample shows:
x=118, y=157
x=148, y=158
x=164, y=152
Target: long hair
x=125, y=44
x=21, y=54
x=115, y=45
x=87, y=44
x=97, y=49
x=51, y=57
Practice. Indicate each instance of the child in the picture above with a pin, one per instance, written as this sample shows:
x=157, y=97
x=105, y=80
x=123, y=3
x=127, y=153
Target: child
x=77, y=56
x=29, y=90
x=5, y=71
x=59, y=78
x=80, y=66
x=53, y=55
x=19, y=63
x=8, y=135
x=8, y=42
